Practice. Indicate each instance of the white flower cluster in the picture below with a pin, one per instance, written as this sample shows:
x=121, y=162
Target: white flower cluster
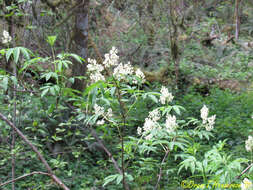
x=6, y=37
x=95, y=70
x=101, y=122
x=109, y=113
x=154, y=115
x=165, y=95
x=139, y=74
x=150, y=124
x=171, y=123
x=249, y=144
x=111, y=59
x=207, y=121
x=120, y=71
x=101, y=112
x=246, y=184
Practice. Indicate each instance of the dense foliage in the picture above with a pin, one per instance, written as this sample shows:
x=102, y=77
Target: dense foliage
x=180, y=118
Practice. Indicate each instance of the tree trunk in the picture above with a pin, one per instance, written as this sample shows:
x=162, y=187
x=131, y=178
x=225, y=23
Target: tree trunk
x=237, y=21
x=80, y=41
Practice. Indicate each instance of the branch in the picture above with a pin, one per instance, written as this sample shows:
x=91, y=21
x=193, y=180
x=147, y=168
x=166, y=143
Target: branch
x=161, y=171
x=41, y=158
x=94, y=134
x=23, y=176
x=243, y=172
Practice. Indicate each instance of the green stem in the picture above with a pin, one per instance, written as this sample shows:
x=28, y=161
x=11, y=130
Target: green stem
x=204, y=173
x=121, y=133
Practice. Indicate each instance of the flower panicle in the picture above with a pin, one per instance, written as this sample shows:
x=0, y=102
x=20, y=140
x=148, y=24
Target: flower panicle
x=151, y=123
x=100, y=111
x=6, y=37
x=208, y=122
x=120, y=71
x=249, y=144
x=166, y=96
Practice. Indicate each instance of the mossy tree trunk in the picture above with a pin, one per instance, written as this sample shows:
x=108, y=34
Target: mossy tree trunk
x=80, y=41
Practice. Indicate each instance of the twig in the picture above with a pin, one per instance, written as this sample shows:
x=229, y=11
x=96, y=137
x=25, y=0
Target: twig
x=161, y=171
x=41, y=158
x=243, y=172
x=23, y=176
x=94, y=134
x=13, y=141
x=121, y=132
x=116, y=166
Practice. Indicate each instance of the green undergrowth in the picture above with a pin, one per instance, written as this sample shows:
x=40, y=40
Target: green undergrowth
x=233, y=113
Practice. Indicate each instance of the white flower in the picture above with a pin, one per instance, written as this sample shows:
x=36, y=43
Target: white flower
x=139, y=130
x=100, y=122
x=109, y=113
x=140, y=75
x=111, y=59
x=98, y=110
x=165, y=95
x=154, y=115
x=208, y=122
x=246, y=184
x=6, y=37
x=211, y=122
x=122, y=70
x=208, y=127
x=93, y=66
x=97, y=76
x=249, y=144
x=204, y=114
x=95, y=70
x=171, y=123
x=148, y=125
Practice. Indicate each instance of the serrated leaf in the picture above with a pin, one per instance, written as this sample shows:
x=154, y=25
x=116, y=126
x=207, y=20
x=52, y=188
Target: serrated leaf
x=72, y=80
x=44, y=92
x=16, y=54
x=76, y=57
x=110, y=179
x=129, y=177
x=57, y=88
x=52, y=91
x=66, y=63
x=48, y=76
x=59, y=65
x=9, y=53
x=176, y=109
x=119, y=179
x=153, y=98
x=112, y=91
x=26, y=53
x=51, y=108
x=167, y=110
